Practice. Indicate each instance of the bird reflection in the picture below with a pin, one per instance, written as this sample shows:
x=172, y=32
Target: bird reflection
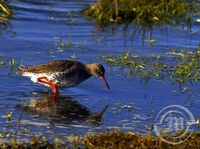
x=62, y=109
x=5, y=26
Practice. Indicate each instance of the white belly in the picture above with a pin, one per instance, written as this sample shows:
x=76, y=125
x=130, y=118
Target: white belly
x=61, y=83
x=34, y=77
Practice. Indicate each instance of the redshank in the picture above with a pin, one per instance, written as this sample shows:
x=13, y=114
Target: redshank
x=63, y=73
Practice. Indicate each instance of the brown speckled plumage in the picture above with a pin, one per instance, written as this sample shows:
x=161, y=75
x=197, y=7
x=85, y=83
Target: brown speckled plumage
x=54, y=66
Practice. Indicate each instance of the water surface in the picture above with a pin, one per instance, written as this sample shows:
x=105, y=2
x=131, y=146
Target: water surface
x=34, y=36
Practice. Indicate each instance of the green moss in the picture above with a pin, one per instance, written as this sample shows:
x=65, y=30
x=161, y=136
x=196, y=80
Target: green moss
x=5, y=11
x=182, y=67
x=143, y=12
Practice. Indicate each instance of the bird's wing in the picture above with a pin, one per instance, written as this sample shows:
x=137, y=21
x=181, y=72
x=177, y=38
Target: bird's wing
x=54, y=66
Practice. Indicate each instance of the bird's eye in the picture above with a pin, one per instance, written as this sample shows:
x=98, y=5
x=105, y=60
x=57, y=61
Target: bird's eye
x=100, y=73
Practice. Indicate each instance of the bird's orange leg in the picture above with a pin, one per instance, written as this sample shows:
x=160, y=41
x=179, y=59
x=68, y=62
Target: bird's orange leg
x=53, y=85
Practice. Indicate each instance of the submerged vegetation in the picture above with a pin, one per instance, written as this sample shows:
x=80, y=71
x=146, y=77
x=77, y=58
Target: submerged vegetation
x=182, y=66
x=143, y=12
x=11, y=63
x=5, y=11
x=2, y=61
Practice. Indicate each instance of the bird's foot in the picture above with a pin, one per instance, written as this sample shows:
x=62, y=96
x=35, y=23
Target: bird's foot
x=44, y=80
x=55, y=89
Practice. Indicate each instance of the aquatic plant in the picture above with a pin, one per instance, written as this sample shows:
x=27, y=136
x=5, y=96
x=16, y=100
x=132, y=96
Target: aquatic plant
x=2, y=61
x=182, y=66
x=70, y=18
x=63, y=44
x=36, y=143
x=108, y=139
x=5, y=11
x=143, y=12
x=12, y=64
x=119, y=139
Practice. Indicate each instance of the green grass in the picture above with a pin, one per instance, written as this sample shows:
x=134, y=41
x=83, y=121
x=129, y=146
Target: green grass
x=5, y=11
x=182, y=67
x=143, y=12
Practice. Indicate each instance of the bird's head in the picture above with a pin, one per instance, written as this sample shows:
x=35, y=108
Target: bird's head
x=99, y=71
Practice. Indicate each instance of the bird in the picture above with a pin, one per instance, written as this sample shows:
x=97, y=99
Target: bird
x=60, y=74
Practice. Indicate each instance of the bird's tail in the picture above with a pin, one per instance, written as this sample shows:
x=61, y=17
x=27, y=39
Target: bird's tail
x=20, y=71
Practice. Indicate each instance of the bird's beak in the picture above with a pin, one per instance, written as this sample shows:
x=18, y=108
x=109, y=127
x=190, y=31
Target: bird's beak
x=104, y=80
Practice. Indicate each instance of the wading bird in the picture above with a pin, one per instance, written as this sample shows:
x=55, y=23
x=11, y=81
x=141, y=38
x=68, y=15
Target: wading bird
x=63, y=73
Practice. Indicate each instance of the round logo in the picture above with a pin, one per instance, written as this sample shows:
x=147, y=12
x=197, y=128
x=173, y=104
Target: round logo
x=174, y=124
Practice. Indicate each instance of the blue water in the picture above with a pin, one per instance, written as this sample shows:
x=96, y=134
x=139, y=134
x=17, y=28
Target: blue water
x=32, y=37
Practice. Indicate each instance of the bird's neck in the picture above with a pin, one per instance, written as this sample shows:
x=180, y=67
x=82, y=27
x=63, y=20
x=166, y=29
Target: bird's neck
x=90, y=69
